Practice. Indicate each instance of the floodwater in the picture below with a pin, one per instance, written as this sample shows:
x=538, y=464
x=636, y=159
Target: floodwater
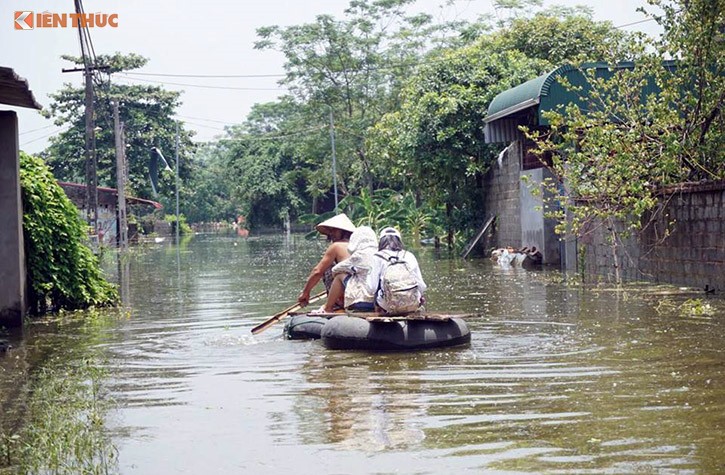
x=558, y=378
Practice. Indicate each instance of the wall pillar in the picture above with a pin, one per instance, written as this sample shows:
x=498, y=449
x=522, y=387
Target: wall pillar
x=13, y=303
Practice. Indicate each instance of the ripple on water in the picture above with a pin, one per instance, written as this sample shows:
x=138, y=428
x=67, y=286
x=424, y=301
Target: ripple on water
x=556, y=379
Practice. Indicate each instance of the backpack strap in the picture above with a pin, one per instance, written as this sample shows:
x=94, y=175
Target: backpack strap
x=393, y=258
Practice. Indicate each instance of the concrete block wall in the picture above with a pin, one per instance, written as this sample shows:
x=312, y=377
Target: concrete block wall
x=501, y=196
x=13, y=296
x=683, y=242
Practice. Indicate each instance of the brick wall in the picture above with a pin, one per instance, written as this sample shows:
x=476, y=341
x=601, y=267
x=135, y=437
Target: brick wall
x=692, y=253
x=501, y=197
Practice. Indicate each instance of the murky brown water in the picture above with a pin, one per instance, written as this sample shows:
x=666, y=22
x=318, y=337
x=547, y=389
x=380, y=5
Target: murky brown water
x=557, y=378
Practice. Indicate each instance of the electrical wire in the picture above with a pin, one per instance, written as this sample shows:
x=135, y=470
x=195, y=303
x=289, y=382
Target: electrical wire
x=122, y=76
x=206, y=120
x=635, y=23
x=57, y=131
x=35, y=130
x=203, y=125
x=212, y=76
x=259, y=138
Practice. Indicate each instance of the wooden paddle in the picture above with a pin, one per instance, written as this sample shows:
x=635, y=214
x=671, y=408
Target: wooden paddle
x=279, y=316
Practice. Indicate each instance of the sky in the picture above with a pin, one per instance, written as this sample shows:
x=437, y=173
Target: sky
x=214, y=37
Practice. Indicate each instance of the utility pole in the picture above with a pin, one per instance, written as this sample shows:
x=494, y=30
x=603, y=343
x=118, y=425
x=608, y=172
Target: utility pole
x=120, y=179
x=334, y=158
x=91, y=165
x=176, y=158
x=91, y=198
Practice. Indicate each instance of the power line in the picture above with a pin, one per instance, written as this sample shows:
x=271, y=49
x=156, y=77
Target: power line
x=201, y=85
x=259, y=138
x=206, y=120
x=35, y=130
x=220, y=76
x=635, y=22
x=203, y=125
x=57, y=131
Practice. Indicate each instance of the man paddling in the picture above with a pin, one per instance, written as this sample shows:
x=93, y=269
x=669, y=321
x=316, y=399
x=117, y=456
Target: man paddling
x=338, y=230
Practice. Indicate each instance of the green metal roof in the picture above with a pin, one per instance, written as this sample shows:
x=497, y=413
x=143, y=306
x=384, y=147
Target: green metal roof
x=524, y=95
x=529, y=101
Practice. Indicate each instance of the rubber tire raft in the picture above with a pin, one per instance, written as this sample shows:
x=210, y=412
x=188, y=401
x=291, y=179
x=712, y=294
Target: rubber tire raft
x=304, y=327
x=352, y=333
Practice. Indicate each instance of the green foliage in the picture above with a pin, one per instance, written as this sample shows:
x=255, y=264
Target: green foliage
x=351, y=68
x=645, y=125
x=386, y=207
x=62, y=271
x=690, y=115
x=407, y=97
x=435, y=142
x=147, y=114
x=264, y=172
x=696, y=308
x=65, y=429
x=184, y=228
x=210, y=189
x=561, y=36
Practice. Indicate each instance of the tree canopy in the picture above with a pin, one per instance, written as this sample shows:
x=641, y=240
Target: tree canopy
x=405, y=96
x=147, y=113
x=652, y=123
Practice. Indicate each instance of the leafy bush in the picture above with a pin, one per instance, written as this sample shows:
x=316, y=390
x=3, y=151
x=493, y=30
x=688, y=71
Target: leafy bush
x=184, y=227
x=63, y=273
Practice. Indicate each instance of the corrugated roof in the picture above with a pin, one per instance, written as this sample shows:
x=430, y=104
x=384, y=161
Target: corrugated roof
x=14, y=90
x=112, y=192
x=524, y=95
x=526, y=103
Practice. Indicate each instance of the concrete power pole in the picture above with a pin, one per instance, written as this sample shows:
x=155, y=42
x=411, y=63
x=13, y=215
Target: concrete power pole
x=176, y=159
x=91, y=166
x=91, y=199
x=120, y=179
x=334, y=158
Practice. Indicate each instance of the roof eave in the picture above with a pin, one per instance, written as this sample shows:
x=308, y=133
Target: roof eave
x=513, y=109
x=14, y=90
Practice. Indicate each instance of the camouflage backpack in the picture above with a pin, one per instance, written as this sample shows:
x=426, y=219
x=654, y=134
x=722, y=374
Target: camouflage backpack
x=399, y=286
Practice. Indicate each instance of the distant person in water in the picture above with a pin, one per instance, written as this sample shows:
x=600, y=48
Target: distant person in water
x=338, y=230
x=395, y=276
x=350, y=287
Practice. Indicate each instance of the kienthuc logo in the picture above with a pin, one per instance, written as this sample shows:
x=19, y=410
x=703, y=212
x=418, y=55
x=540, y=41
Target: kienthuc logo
x=28, y=20
x=23, y=20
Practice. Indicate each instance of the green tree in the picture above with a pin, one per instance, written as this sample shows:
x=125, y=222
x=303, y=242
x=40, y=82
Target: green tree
x=210, y=188
x=63, y=273
x=435, y=141
x=262, y=173
x=561, y=36
x=352, y=69
x=146, y=111
x=645, y=125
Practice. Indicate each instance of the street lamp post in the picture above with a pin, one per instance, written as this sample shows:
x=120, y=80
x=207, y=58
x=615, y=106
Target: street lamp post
x=176, y=180
x=176, y=158
x=334, y=158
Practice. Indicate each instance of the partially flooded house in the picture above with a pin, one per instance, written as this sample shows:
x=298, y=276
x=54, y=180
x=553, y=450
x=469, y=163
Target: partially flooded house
x=693, y=254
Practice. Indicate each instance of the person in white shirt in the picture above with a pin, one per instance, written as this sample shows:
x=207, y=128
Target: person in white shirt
x=390, y=250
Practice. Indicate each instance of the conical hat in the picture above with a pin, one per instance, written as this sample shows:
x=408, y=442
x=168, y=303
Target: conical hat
x=341, y=221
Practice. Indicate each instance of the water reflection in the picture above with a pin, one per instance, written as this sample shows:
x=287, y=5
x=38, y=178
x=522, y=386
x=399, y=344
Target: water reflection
x=557, y=378
x=353, y=402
